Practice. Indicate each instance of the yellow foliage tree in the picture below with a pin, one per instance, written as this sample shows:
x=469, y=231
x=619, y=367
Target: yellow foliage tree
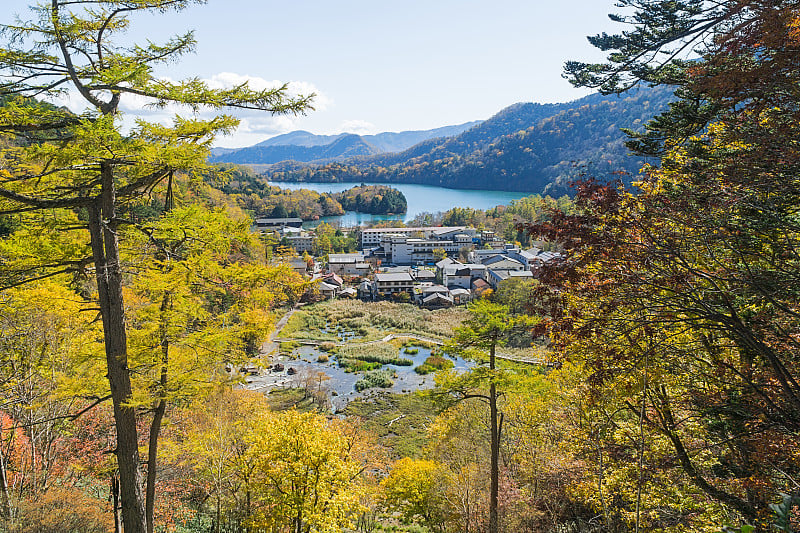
x=306, y=474
x=412, y=489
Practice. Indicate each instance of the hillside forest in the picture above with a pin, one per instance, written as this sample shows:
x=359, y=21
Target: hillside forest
x=649, y=380
x=537, y=148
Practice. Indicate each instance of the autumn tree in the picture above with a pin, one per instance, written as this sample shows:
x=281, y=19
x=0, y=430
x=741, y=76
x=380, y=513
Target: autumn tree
x=488, y=327
x=306, y=472
x=681, y=299
x=201, y=290
x=65, y=161
x=49, y=374
x=413, y=488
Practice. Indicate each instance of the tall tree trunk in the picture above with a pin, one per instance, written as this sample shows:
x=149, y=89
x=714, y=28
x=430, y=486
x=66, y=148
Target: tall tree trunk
x=102, y=227
x=158, y=417
x=5, y=498
x=115, y=502
x=152, y=463
x=494, y=522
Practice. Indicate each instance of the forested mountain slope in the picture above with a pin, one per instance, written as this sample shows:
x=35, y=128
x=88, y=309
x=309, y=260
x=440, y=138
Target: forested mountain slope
x=303, y=146
x=525, y=147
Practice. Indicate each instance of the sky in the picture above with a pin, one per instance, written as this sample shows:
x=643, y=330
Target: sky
x=377, y=65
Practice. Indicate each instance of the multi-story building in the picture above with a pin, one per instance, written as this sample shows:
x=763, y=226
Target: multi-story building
x=391, y=283
x=272, y=224
x=461, y=276
x=301, y=242
x=372, y=237
x=348, y=264
x=402, y=250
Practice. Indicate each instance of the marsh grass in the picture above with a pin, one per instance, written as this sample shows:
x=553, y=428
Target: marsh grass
x=384, y=354
x=371, y=320
x=354, y=365
x=375, y=378
x=287, y=348
x=399, y=421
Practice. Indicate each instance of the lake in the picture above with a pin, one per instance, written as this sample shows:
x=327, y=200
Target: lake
x=420, y=198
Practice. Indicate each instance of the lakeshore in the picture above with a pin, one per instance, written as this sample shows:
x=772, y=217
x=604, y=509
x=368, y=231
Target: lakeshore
x=421, y=199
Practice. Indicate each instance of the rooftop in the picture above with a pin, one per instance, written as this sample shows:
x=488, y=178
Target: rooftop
x=393, y=276
x=345, y=258
x=277, y=221
x=435, y=229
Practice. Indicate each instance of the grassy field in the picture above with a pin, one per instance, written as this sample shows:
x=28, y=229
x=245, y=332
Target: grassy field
x=370, y=320
x=383, y=353
x=399, y=420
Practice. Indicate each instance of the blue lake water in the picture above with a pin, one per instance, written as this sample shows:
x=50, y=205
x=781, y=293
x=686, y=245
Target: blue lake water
x=420, y=198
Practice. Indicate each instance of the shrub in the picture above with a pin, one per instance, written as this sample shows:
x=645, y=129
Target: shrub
x=375, y=378
x=434, y=363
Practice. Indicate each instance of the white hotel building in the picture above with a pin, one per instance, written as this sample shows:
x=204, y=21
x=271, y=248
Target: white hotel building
x=370, y=238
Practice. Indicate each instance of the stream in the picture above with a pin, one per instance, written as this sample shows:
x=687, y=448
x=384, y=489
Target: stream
x=339, y=383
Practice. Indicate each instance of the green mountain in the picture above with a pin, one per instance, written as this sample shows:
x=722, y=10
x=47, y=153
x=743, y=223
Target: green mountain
x=525, y=147
x=303, y=146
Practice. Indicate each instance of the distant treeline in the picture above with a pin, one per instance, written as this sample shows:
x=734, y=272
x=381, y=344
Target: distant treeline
x=255, y=195
x=526, y=147
x=504, y=220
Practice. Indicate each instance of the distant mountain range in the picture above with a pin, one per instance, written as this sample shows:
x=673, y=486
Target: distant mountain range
x=529, y=147
x=305, y=147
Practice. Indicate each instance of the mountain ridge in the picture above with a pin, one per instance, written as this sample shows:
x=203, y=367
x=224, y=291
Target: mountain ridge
x=528, y=147
x=306, y=147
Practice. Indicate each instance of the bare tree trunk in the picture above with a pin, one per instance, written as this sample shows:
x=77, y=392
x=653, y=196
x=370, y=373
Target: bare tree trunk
x=219, y=512
x=494, y=522
x=5, y=501
x=102, y=227
x=158, y=417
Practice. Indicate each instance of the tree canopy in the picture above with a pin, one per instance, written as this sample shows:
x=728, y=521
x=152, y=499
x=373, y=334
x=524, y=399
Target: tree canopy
x=78, y=171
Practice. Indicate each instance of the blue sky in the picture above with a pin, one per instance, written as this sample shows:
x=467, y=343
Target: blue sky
x=377, y=65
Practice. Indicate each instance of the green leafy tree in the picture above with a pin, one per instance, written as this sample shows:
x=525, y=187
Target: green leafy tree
x=65, y=161
x=488, y=326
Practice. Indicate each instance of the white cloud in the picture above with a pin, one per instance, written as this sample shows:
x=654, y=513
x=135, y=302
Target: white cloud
x=360, y=127
x=295, y=88
x=255, y=126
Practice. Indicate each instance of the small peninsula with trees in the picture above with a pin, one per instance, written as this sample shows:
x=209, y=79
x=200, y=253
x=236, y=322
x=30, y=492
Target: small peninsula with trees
x=255, y=195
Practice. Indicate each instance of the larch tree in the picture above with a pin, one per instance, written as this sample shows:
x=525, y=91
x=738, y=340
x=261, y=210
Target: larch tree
x=58, y=161
x=201, y=290
x=488, y=327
